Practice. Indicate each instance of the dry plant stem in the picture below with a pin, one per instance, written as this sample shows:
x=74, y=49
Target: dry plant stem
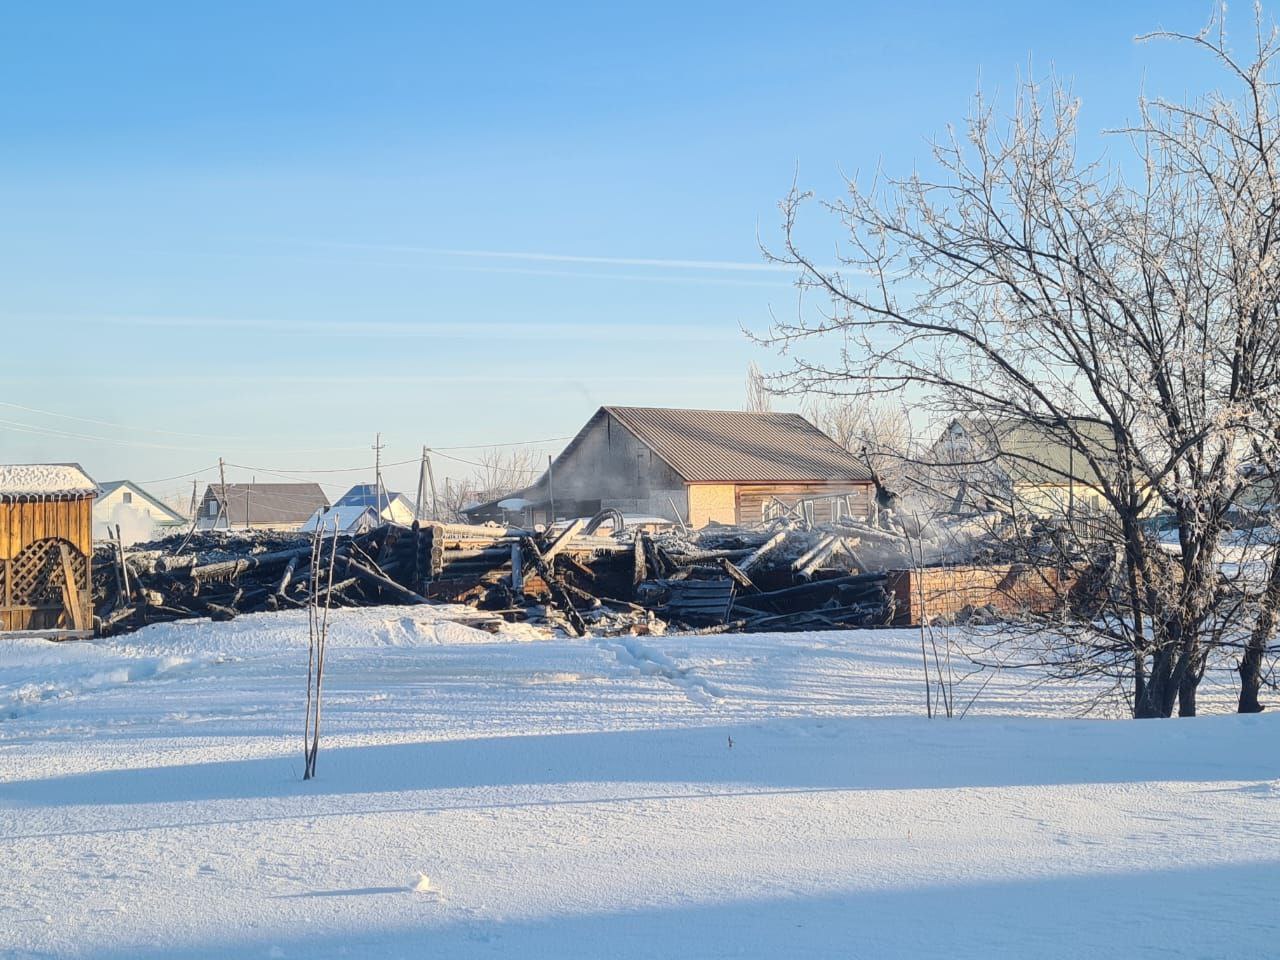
x=322, y=642
x=311, y=656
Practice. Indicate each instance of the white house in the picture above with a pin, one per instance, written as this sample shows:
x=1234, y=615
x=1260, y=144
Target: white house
x=391, y=507
x=139, y=515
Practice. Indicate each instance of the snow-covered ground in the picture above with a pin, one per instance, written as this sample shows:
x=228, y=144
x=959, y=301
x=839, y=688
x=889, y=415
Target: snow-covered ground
x=721, y=796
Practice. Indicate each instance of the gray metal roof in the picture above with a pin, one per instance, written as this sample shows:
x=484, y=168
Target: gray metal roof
x=733, y=446
x=269, y=502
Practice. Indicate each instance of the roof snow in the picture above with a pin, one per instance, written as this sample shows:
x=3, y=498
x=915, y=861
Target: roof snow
x=341, y=518
x=44, y=481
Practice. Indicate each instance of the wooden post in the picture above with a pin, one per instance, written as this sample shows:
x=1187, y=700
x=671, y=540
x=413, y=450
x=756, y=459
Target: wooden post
x=74, y=600
x=551, y=493
x=120, y=591
x=639, y=573
x=124, y=568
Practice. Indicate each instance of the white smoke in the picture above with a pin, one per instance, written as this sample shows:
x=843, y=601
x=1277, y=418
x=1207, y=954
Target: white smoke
x=136, y=526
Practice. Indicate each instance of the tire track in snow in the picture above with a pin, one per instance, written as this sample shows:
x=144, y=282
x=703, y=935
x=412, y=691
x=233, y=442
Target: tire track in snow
x=654, y=663
x=27, y=696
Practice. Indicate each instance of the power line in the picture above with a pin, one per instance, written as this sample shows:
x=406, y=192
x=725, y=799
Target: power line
x=182, y=476
x=110, y=423
x=51, y=432
x=513, y=443
x=471, y=463
x=365, y=468
x=41, y=431
x=33, y=428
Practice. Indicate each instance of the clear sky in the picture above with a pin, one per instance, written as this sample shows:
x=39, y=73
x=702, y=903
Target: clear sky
x=268, y=230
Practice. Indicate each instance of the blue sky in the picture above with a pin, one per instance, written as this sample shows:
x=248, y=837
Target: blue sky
x=266, y=231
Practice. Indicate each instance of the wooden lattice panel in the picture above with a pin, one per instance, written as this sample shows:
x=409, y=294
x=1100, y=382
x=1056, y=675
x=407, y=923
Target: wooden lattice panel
x=36, y=573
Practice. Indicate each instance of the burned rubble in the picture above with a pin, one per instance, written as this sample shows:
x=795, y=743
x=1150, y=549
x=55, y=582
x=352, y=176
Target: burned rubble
x=587, y=576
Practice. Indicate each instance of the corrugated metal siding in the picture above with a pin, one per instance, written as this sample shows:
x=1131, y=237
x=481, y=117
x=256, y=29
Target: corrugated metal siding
x=729, y=445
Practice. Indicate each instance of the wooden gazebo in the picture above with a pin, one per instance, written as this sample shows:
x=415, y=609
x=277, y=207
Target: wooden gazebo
x=46, y=548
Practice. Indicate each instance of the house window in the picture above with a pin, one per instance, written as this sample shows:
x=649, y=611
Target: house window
x=128, y=497
x=213, y=508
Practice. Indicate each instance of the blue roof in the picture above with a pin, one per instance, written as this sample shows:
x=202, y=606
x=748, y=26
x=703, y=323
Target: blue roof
x=366, y=495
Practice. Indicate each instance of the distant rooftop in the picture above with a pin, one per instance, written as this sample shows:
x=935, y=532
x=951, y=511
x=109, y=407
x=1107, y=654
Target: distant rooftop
x=734, y=446
x=269, y=502
x=366, y=495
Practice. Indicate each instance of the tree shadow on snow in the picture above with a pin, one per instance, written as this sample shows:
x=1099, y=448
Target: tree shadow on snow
x=789, y=754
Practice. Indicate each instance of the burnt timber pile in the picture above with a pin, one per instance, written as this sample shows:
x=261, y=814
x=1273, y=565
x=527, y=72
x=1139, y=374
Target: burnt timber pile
x=575, y=577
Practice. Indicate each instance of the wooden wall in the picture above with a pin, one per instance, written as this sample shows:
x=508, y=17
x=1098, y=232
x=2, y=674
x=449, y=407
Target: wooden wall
x=752, y=498
x=24, y=523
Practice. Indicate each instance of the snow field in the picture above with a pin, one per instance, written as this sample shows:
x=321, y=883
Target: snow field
x=723, y=796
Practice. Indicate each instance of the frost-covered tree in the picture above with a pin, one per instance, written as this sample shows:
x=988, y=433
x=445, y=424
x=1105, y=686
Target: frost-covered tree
x=1136, y=301
x=496, y=472
x=759, y=396
x=875, y=429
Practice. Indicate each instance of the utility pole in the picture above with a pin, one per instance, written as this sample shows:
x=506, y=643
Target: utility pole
x=195, y=504
x=426, y=478
x=377, y=475
x=431, y=479
x=551, y=493
x=422, y=487
x=222, y=505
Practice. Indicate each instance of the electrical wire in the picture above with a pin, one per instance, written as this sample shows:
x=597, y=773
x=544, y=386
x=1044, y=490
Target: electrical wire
x=513, y=443
x=110, y=423
x=182, y=476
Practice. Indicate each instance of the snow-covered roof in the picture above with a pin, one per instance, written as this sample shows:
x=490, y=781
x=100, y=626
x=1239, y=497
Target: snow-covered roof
x=45, y=481
x=345, y=517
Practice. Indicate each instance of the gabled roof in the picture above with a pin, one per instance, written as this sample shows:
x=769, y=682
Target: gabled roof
x=366, y=495
x=111, y=486
x=269, y=502
x=45, y=481
x=342, y=519
x=733, y=446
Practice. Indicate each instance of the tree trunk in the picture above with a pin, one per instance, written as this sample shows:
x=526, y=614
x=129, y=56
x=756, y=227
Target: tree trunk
x=1263, y=629
x=1161, y=688
x=1139, y=679
x=1187, y=693
x=1250, y=679
x=1154, y=697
